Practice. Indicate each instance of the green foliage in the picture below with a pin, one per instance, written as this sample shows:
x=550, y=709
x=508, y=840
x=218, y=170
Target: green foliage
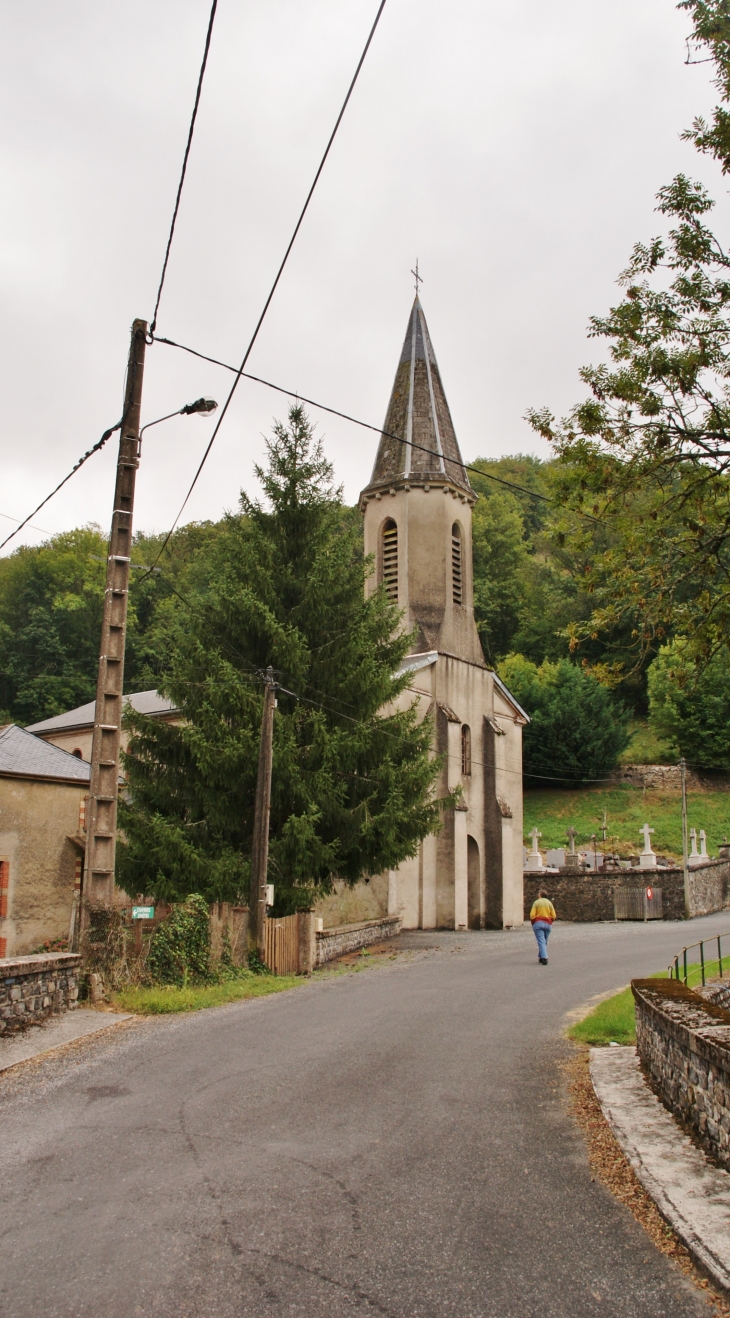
x=648, y=452
x=281, y=585
x=690, y=704
x=180, y=945
x=577, y=729
x=50, y=620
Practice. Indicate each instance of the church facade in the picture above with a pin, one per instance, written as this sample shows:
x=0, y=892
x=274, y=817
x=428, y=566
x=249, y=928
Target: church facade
x=417, y=519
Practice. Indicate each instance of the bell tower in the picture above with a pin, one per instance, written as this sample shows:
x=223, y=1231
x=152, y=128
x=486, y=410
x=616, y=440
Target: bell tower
x=417, y=506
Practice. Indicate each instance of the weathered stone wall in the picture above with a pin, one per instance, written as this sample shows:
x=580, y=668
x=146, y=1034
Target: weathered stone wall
x=586, y=896
x=32, y=988
x=683, y=1042
x=348, y=938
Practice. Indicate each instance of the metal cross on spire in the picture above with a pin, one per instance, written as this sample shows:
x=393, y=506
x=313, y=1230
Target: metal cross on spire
x=417, y=276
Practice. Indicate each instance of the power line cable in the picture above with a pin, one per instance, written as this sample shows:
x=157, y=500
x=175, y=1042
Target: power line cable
x=188, y=145
x=279, y=273
x=95, y=449
x=311, y=402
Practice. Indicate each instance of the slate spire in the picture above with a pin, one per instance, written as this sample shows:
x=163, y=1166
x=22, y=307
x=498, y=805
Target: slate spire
x=418, y=417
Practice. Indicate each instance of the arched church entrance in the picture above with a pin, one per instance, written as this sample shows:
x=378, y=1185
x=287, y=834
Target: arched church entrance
x=474, y=882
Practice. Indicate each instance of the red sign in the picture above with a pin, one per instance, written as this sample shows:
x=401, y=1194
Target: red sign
x=649, y=894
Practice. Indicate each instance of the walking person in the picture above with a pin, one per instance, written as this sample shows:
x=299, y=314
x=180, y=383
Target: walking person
x=541, y=919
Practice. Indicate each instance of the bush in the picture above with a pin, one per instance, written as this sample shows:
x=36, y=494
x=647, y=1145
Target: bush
x=577, y=728
x=690, y=707
x=180, y=946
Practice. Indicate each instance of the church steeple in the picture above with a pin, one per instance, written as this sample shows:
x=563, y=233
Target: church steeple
x=418, y=439
x=417, y=507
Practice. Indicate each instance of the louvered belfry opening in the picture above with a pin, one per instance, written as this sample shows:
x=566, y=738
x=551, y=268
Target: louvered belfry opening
x=456, y=573
x=390, y=559
x=465, y=749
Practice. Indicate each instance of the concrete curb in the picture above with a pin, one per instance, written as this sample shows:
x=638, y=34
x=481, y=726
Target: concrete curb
x=59, y=1031
x=691, y=1193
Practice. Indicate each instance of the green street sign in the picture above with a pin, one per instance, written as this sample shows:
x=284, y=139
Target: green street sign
x=143, y=912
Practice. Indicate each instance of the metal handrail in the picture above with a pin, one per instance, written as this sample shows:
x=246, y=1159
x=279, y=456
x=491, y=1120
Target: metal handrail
x=673, y=968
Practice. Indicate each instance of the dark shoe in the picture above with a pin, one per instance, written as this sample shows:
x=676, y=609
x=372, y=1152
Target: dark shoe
x=543, y=960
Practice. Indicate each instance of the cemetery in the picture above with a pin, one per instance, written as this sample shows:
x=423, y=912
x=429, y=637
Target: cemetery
x=617, y=854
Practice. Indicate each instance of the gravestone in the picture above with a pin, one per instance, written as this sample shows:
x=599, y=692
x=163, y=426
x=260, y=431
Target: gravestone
x=556, y=857
x=647, y=859
x=694, y=857
x=534, y=859
x=572, y=860
x=594, y=859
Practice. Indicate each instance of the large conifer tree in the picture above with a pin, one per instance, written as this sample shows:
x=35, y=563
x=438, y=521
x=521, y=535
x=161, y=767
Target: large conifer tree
x=282, y=585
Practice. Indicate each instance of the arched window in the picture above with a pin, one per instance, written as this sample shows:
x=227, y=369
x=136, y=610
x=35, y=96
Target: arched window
x=456, y=578
x=390, y=559
x=465, y=749
x=77, y=752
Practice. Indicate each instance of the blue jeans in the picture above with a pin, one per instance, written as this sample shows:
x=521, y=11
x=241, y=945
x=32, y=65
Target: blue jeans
x=542, y=933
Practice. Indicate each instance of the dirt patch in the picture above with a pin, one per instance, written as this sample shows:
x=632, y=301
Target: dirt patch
x=609, y=1166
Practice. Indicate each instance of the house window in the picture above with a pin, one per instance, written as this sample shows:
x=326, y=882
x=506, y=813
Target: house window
x=390, y=559
x=456, y=579
x=465, y=749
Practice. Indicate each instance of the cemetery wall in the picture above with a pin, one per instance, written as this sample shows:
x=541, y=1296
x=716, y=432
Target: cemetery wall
x=683, y=1043
x=588, y=896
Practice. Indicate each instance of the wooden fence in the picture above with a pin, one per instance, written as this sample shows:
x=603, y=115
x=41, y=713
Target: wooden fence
x=282, y=944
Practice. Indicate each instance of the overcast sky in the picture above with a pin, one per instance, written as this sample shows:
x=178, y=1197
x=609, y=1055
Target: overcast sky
x=514, y=149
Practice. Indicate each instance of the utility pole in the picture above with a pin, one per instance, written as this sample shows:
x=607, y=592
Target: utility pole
x=260, y=847
x=101, y=814
x=685, y=866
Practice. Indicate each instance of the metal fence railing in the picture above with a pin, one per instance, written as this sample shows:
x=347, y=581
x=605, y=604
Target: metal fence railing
x=707, y=965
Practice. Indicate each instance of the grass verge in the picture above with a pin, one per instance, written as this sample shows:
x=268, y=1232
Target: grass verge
x=165, y=998
x=612, y=1021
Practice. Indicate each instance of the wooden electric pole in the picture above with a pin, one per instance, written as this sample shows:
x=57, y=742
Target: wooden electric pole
x=260, y=846
x=685, y=866
x=101, y=814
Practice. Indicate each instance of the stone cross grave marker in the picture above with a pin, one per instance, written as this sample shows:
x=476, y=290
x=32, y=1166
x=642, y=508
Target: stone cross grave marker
x=571, y=860
x=703, y=843
x=693, y=852
x=647, y=859
x=534, y=859
x=571, y=837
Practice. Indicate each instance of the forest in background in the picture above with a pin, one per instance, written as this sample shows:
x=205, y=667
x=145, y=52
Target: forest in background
x=532, y=560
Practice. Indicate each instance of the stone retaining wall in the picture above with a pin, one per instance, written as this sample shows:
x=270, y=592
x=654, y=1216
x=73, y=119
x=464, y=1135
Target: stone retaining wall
x=683, y=1042
x=349, y=937
x=32, y=988
x=584, y=896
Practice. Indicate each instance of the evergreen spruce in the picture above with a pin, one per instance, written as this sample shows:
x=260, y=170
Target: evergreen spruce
x=282, y=585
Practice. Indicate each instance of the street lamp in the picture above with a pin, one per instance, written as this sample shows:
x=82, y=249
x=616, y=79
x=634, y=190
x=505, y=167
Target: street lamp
x=201, y=407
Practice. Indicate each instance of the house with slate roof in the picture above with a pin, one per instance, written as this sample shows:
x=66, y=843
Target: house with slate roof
x=42, y=799
x=73, y=730
x=417, y=513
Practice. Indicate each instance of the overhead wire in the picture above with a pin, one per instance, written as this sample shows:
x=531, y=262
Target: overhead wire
x=183, y=172
x=345, y=416
x=279, y=273
x=94, y=449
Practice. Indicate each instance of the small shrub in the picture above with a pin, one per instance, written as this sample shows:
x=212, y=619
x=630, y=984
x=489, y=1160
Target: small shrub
x=180, y=946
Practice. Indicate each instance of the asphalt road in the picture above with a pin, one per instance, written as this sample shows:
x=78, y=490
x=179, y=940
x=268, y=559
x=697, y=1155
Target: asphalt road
x=394, y=1142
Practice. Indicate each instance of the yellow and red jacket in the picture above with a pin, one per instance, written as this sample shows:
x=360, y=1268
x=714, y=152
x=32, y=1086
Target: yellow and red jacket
x=542, y=909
